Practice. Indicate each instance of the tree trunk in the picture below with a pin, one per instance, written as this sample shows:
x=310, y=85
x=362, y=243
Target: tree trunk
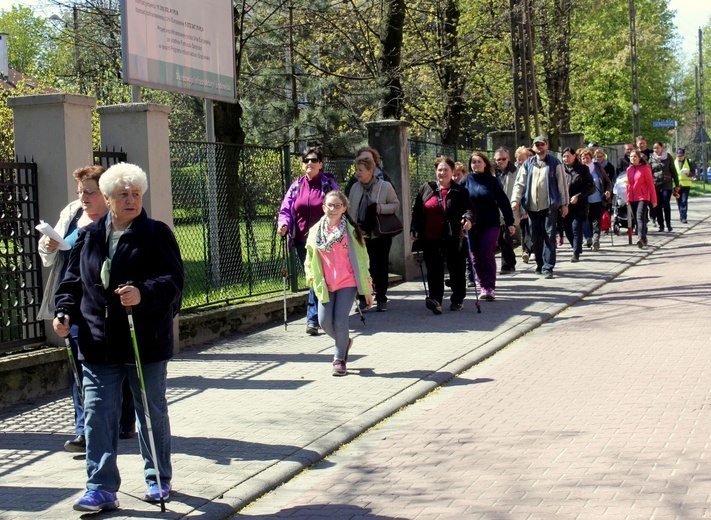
x=453, y=79
x=555, y=38
x=391, y=46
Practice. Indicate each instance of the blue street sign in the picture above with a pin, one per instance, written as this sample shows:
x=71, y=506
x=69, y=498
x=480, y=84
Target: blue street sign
x=663, y=124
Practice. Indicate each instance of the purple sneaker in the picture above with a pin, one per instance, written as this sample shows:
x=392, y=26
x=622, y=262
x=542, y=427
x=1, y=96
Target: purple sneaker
x=154, y=495
x=96, y=500
x=339, y=368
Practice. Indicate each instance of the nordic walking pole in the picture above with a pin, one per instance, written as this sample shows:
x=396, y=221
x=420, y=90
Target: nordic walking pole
x=473, y=272
x=72, y=362
x=147, y=413
x=362, y=318
x=284, y=272
x=418, y=257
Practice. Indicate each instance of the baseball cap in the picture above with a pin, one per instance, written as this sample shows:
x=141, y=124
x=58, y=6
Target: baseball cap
x=681, y=151
x=593, y=145
x=540, y=139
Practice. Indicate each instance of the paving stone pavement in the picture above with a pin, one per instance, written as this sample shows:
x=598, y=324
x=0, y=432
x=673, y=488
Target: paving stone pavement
x=605, y=411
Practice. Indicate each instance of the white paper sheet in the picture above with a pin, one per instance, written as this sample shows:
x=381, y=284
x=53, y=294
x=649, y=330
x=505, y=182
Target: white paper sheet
x=49, y=231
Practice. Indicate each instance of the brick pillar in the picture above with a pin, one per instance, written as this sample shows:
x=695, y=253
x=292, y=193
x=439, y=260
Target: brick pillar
x=54, y=130
x=390, y=138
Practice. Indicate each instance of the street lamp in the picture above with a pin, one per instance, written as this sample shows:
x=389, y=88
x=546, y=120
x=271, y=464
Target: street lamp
x=77, y=57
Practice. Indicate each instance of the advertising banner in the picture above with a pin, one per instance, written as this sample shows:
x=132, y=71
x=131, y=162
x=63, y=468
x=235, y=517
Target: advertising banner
x=184, y=46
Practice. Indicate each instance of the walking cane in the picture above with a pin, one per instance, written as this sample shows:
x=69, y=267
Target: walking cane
x=472, y=271
x=72, y=363
x=284, y=272
x=418, y=256
x=147, y=413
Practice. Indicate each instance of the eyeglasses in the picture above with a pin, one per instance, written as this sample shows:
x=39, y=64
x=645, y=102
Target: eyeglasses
x=334, y=206
x=501, y=160
x=311, y=160
x=88, y=193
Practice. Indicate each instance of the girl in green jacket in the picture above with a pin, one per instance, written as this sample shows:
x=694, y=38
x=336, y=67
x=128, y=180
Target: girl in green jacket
x=337, y=268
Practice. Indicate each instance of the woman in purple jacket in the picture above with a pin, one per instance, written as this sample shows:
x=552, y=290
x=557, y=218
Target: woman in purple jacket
x=301, y=208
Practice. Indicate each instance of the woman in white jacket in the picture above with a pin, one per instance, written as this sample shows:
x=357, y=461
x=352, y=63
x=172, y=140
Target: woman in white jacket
x=90, y=206
x=368, y=197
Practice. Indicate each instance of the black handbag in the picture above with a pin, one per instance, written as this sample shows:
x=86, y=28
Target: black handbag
x=386, y=225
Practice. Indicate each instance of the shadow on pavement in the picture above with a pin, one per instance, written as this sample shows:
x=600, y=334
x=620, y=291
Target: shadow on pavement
x=332, y=511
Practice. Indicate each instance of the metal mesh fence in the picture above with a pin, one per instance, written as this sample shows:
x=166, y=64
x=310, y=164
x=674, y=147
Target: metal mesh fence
x=225, y=202
x=422, y=156
x=342, y=168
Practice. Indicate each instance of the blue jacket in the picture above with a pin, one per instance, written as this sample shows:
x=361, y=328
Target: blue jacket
x=488, y=197
x=554, y=196
x=147, y=255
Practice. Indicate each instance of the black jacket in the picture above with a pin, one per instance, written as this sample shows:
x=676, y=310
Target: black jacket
x=458, y=207
x=580, y=183
x=147, y=255
x=664, y=173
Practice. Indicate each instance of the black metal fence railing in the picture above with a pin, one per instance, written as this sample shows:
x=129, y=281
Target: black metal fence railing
x=108, y=159
x=225, y=203
x=20, y=272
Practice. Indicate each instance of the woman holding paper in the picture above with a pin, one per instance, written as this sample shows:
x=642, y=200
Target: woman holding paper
x=89, y=206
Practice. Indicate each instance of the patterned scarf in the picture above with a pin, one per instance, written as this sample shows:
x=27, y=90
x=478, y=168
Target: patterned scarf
x=325, y=238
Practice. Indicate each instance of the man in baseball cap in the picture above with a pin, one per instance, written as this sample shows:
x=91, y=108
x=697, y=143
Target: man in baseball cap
x=543, y=193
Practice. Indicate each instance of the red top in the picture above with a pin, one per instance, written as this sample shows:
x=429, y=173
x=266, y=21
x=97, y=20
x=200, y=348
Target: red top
x=434, y=218
x=640, y=184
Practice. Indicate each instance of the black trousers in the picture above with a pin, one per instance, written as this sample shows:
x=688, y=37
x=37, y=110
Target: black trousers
x=379, y=256
x=508, y=258
x=437, y=253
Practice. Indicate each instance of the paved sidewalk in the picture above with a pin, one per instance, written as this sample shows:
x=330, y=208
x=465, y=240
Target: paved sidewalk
x=603, y=412
x=250, y=412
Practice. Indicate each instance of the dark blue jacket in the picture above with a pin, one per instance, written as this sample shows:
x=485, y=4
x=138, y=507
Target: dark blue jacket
x=147, y=255
x=488, y=197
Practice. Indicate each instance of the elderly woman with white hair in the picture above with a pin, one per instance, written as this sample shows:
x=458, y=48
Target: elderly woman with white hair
x=124, y=259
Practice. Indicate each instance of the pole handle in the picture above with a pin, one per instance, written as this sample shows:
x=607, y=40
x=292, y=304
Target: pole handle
x=129, y=309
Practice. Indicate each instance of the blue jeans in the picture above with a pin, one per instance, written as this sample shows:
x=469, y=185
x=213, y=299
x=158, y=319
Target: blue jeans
x=312, y=306
x=333, y=317
x=574, y=231
x=102, y=409
x=662, y=212
x=543, y=232
x=683, y=202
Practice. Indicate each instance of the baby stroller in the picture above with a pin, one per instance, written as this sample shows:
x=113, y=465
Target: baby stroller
x=621, y=214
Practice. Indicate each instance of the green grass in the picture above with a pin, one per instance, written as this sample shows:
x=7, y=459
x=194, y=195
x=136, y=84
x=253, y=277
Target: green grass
x=697, y=188
x=259, y=273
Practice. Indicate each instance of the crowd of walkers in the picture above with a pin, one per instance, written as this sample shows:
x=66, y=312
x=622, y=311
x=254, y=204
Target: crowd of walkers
x=111, y=265
x=463, y=216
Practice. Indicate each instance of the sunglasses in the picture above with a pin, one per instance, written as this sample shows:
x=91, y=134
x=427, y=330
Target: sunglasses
x=311, y=160
x=501, y=160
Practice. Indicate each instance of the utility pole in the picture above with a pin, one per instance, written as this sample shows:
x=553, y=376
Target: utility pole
x=292, y=86
x=636, y=130
x=525, y=95
x=703, y=136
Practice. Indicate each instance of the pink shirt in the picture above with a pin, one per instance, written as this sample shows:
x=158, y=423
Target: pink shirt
x=337, y=269
x=640, y=184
